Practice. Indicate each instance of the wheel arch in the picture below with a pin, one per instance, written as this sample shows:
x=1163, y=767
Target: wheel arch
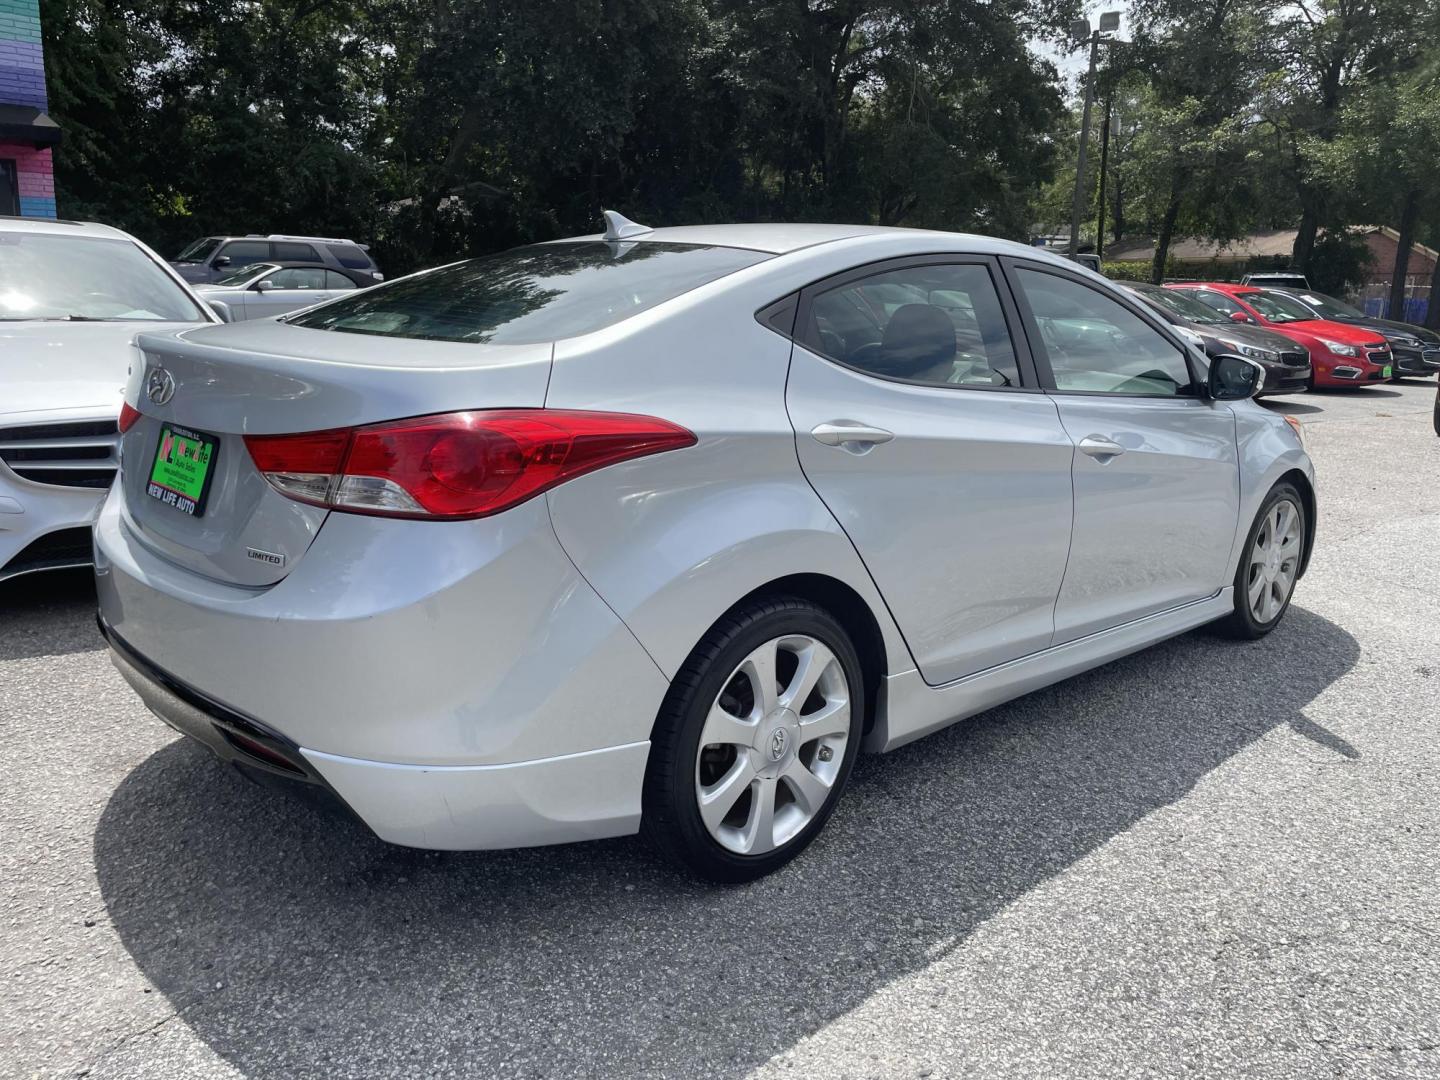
x=1307, y=494
x=852, y=612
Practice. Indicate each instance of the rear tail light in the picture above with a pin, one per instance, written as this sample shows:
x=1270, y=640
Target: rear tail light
x=128, y=415
x=455, y=465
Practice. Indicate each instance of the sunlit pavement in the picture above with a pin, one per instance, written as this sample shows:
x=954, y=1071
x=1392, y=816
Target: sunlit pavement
x=1209, y=859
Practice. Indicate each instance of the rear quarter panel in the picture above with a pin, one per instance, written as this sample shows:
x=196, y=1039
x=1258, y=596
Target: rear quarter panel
x=674, y=540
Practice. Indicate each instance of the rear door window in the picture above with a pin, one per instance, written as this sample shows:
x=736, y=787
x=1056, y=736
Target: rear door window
x=337, y=281
x=540, y=293
x=243, y=252
x=937, y=324
x=291, y=252
x=298, y=277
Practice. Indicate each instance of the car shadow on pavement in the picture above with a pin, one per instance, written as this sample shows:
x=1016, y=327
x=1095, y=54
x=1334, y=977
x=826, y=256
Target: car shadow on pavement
x=50, y=614
x=293, y=944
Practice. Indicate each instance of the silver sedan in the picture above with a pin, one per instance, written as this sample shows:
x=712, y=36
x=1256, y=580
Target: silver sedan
x=656, y=530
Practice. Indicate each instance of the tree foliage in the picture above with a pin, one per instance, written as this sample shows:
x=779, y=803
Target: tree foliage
x=436, y=128
x=441, y=127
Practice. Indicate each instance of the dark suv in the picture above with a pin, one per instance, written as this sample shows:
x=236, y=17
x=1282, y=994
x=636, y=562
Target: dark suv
x=212, y=257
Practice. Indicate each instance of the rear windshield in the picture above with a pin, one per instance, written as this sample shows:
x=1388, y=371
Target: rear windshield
x=350, y=256
x=540, y=293
x=1179, y=304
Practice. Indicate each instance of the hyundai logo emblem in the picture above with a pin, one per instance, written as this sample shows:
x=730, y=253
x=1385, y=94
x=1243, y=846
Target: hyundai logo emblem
x=777, y=744
x=160, y=386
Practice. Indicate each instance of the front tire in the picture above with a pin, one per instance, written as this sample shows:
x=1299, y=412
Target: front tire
x=1269, y=565
x=755, y=741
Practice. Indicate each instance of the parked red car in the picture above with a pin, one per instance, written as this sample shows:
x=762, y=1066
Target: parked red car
x=1340, y=354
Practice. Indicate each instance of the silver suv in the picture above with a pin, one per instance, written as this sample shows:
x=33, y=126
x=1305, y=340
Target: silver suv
x=212, y=257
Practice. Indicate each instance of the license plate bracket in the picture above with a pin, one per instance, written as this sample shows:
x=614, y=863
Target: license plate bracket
x=182, y=469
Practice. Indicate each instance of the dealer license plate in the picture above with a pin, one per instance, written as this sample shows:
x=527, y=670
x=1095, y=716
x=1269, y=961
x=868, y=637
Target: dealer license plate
x=184, y=463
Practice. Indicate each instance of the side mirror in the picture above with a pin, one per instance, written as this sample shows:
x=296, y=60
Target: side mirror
x=1239, y=316
x=261, y=286
x=1234, y=378
x=220, y=260
x=221, y=310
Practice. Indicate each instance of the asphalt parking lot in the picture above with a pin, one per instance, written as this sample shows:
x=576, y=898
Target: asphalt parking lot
x=1209, y=859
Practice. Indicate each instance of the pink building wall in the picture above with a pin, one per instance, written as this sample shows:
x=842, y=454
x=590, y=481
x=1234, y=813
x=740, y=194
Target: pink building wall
x=35, y=177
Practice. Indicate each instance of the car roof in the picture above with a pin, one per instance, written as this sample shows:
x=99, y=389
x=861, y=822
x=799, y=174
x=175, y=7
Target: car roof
x=782, y=238
x=62, y=227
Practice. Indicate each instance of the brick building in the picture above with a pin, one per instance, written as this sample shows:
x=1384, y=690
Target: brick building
x=27, y=184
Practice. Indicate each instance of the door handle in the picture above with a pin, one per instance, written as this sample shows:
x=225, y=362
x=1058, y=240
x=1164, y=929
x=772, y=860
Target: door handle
x=848, y=435
x=1100, y=448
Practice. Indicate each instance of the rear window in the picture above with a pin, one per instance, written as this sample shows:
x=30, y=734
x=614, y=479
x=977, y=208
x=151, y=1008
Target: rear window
x=291, y=252
x=350, y=256
x=540, y=293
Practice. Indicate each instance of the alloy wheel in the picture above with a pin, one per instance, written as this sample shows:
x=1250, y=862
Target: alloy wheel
x=773, y=745
x=1274, y=561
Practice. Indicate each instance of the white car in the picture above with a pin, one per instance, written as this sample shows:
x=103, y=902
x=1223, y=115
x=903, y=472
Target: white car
x=266, y=289
x=72, y=297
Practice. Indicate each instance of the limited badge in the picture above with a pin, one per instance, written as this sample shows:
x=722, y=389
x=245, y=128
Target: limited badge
x=260, y=555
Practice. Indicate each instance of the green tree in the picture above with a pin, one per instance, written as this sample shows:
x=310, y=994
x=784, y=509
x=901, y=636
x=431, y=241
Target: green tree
x=1322, y=52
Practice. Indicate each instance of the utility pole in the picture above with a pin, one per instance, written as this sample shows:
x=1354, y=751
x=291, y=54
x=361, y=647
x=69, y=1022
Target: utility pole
x=1104, y=164
x=1080, y=34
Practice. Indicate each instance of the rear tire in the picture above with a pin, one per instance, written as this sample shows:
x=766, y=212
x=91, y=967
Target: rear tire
x=755, y=741
x=1269, y=565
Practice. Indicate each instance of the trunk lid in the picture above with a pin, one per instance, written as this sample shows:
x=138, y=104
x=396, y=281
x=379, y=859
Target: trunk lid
x=269, y=378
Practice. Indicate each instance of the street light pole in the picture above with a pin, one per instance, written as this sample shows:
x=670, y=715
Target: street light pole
x=1084, y=140
x=1104, y=164
x=1079, y=33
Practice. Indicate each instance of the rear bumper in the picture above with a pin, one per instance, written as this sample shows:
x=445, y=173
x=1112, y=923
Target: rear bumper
x=444, y=644
x=584, y=796
x=455, y=685
x=261, y=754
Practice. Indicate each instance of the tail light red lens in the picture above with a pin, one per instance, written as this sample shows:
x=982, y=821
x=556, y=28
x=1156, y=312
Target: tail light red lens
x=128, y=415
x=455, y=465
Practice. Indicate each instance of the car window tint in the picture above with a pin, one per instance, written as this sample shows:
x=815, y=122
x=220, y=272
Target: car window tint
x=1277, y=307
x=242, y=275
x=1096, y=344
x=540, y=293
x=1219, y=301
x=292, y=252
x=1330, y=308
x=337, y=281
x=240, y=252
x=199, y=251
x=350, y=256
x=298, y=277
x=1180, y=304
x=937, y=324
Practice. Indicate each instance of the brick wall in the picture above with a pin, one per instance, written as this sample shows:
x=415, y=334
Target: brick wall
x=22, y=82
